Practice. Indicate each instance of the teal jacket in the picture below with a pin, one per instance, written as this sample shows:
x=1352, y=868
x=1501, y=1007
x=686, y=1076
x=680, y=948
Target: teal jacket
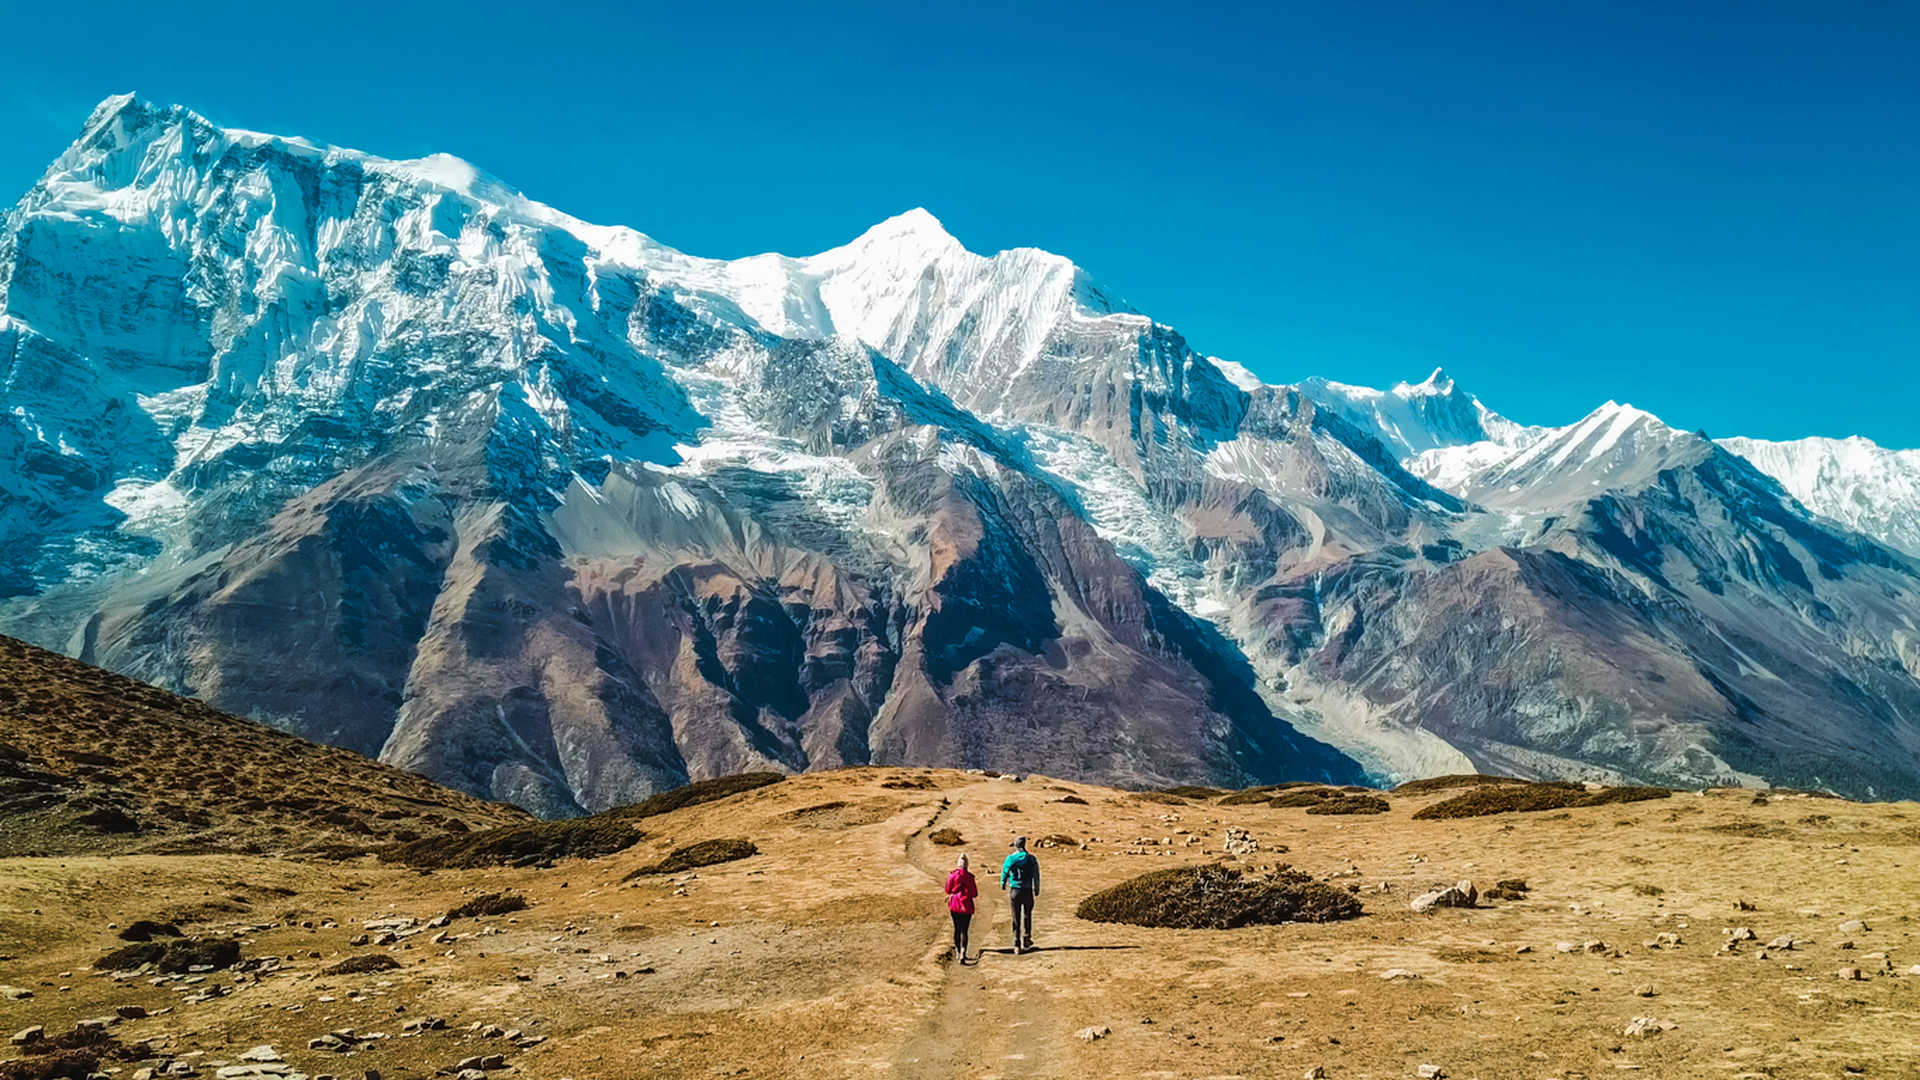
x=1020, y=871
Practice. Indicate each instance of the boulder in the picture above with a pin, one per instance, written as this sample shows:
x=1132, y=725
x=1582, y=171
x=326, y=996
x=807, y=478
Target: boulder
x=1646, y=1027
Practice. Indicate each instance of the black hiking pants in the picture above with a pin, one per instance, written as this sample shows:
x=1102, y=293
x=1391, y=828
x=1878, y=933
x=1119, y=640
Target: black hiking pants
x=1022, y=917
x=961, y=920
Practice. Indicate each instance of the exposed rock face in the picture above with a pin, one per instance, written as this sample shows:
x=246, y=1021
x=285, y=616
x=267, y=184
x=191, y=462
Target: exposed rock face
x=389, y=455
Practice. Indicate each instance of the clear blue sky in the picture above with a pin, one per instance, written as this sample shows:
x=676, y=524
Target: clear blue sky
x=1709, y=210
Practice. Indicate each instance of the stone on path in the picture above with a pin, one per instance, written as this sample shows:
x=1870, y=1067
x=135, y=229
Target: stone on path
x=1097, y=1031
x=1645, y=1027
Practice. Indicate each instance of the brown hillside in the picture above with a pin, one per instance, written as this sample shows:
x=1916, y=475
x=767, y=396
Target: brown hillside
x=94, y=762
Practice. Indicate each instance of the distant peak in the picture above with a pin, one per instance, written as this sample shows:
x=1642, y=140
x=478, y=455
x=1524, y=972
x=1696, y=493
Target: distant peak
x=915, y=228
x=1437, y=384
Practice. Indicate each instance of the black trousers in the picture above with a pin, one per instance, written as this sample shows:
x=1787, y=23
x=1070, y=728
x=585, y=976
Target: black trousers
x=1022, y=916
x=961, y=920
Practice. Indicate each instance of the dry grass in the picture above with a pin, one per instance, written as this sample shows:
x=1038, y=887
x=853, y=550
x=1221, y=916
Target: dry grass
x=95, y=762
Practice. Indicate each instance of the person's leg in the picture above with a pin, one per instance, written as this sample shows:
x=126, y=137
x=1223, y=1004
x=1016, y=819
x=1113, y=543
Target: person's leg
x=1026, y=921
x=961, y=922
x=1014, y=903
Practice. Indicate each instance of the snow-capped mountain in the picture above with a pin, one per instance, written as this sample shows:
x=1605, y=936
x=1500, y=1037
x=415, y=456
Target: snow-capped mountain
x=392, y=455
x=1413, y=418
x=1856, y=482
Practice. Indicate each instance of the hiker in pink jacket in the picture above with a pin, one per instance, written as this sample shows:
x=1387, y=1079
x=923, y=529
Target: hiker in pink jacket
x=960, y=894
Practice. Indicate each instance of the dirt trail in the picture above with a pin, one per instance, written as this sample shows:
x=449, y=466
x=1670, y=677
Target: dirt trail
x=996, y=1017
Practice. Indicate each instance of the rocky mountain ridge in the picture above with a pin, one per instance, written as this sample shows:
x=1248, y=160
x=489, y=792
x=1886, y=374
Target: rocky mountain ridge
x=392, y=456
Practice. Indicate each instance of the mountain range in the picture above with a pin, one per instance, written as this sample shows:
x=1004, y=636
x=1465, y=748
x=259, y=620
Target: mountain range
x=388, y=455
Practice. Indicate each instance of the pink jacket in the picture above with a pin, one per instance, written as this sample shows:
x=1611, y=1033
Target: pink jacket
x=961, y=891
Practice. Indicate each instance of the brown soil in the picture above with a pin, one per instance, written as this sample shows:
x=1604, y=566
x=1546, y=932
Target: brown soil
x=827, y=955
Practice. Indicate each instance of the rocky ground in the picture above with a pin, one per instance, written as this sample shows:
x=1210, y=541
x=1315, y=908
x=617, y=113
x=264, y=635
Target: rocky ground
x=1711, y=934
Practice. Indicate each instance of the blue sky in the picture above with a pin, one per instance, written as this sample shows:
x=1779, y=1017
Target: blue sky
x=1711, y=211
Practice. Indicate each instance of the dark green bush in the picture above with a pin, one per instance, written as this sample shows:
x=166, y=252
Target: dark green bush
x=1529, y=798
x=1351, y=804
x=364, y=964
x=1215, y=897
x=498, y=903
x=704, y=853
x=1442, y=783
x=520, y=845
x=172, y=957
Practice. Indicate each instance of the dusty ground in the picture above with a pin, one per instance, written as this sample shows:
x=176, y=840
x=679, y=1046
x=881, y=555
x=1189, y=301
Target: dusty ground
x=825, y=955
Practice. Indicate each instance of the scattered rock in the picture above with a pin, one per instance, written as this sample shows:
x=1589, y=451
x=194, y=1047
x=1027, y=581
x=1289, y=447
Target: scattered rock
x=1430, y=1072
x=1854, y=926
x=1317, y=1072
x=1850, y=974
x=1097, y=1031
x=1645, y=990
x=1462, y=895
x=1392, y=974
x=1239, y=841
x=1646, y=1027
x=29, y=1036
x=1741, y=933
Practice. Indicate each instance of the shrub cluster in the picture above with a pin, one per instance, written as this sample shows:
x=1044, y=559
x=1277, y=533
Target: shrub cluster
x=1216, y=897
x=1432, y=784
x=1351, y=804
x=1531, y=797
x=694, y=856
x=497, y=903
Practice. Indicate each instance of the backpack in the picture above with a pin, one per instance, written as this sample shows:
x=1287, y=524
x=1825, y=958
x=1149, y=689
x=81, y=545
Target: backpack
x=1020, y=871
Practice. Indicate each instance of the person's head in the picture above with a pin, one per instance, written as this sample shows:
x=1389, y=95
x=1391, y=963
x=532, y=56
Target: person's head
x=962, y=862
x=1019, y=843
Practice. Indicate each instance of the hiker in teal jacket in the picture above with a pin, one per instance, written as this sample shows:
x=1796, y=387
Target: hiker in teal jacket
x=1020, y=877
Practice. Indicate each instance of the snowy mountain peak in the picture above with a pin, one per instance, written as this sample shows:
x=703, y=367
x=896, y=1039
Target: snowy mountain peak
x=1436, y=384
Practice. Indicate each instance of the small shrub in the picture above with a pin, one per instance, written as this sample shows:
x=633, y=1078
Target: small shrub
x=148, y=929
x=1057, y=840
x=700, y=791
x=1352, y=804
x=910, y=783
x=1162, y=797
x=1444, y=783
x=1643, y=889
x=1303, y=797
x=1530, y=798
x=172, y=957
x=946, y=837
x=1193, y=791
x=704, y=853
x=819, y=808
x=1071, y=800
x=1011, y=808
x=1249, y=796
x=364, y=964
x=520, y=845
x=1507, y=889
x=499, y=903
x=1215, y=897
